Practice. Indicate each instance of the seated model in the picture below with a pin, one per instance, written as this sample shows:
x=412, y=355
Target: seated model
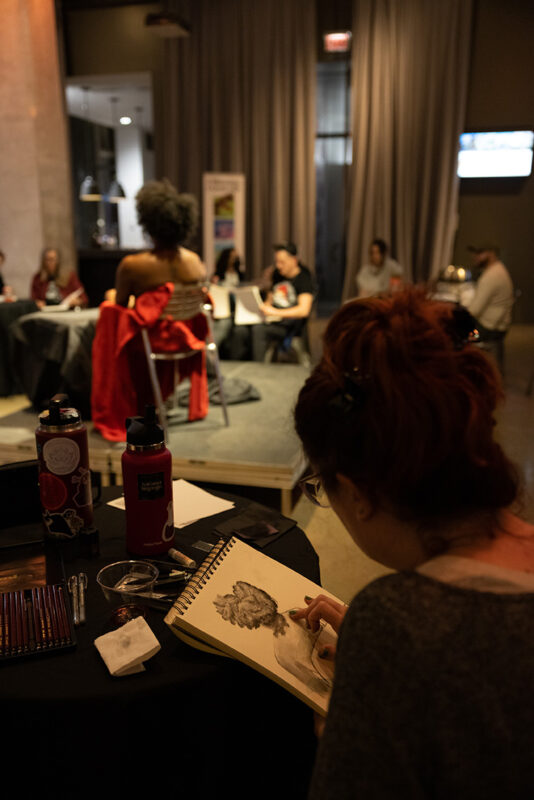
x=120, y=377
x=52, y=285
x=169, y=219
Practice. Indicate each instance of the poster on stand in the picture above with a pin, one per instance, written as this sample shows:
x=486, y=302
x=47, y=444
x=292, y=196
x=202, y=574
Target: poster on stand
x=223, y=215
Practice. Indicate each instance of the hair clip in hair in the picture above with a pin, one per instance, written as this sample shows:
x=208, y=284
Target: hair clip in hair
x=352, y=395
x=462, y=328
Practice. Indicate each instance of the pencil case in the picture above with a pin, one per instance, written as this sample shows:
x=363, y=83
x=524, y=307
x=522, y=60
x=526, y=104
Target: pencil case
x=35, y=621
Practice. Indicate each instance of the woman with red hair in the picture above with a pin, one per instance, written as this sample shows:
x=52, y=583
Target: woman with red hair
x=433, y=693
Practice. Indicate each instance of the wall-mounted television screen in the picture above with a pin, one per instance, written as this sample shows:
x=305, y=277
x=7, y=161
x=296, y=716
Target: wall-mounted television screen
x=499, y=154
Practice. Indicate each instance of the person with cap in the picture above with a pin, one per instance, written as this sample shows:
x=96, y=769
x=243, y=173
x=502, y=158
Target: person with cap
x=491, y=304
x=289, y=299
x=381, y=274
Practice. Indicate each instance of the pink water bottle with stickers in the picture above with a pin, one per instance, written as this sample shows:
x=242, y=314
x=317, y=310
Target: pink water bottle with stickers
x=147, y=478
x=64, y=475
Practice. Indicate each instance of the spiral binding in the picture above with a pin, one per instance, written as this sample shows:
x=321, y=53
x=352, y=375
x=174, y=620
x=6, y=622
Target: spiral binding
x=199, y=579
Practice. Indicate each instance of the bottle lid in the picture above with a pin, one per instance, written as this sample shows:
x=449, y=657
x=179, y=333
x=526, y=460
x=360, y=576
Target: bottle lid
x=59, y=413
x=144, y=431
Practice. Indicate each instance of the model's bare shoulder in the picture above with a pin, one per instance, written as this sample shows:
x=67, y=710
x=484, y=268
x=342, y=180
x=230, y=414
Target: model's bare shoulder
x=137, y=262
x=132, y=276
x=191, y=267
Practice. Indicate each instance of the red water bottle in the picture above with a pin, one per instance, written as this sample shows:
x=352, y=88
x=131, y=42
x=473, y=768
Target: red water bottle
x=64, y=475
x=146, y=474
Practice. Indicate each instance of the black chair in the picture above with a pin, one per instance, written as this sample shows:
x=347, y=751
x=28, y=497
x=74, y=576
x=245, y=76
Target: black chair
x=186, y=302
x=495, y=347
x=19, y=494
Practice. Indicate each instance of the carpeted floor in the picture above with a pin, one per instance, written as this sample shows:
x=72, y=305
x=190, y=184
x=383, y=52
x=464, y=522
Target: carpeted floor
x=258, y=448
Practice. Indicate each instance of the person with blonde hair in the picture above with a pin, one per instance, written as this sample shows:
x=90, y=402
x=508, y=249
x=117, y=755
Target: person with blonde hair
x=52, y=285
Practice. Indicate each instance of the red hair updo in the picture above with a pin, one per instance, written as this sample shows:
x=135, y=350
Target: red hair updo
x=404, y=407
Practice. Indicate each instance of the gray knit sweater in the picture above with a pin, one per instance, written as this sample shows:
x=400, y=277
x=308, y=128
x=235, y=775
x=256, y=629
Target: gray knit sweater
x=433, y=695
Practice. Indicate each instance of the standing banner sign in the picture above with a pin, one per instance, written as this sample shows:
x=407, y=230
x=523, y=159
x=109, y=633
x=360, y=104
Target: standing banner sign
x=223, y=215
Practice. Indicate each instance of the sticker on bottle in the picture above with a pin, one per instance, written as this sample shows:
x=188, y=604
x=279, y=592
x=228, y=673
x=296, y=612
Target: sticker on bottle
x=61, y=455
x=151, y=486
x=64, y=525
x=52, y=490
x=83, y=495
x=167, y=534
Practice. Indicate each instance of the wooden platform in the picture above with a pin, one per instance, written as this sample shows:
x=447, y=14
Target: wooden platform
x=258, y=449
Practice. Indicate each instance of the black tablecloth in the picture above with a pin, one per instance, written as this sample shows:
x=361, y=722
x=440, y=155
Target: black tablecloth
x=52, y=353
x=9, y=312
x=193, y=721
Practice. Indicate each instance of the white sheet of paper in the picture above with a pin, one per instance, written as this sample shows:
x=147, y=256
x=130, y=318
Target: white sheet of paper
x=189, y=502
x=16, y=435
x=221, y=301
x=247, y=306
x=117, y=503
x=65, y=303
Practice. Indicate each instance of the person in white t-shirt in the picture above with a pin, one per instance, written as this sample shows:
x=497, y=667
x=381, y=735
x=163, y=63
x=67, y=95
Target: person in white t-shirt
x=491, y=304
x=381, y=274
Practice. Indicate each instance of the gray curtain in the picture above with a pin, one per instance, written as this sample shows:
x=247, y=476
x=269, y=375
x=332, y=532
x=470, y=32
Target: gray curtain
x=410, y=66
x=240, y=97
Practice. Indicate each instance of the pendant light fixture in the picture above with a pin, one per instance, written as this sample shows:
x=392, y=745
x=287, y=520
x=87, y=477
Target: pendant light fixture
x=116, y=193
x=89, y=189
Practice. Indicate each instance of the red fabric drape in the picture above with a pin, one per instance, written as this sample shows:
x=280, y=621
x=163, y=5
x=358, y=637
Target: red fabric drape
x=121, y=386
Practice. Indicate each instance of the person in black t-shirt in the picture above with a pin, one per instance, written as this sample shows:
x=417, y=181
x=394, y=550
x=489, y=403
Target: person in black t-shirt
x=289, y=300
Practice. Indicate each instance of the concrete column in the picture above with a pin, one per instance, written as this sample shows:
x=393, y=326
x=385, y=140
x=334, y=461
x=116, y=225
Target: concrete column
x=36, y=208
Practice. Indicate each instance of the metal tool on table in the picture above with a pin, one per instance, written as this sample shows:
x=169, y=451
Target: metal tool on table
x=77, y=584
x=82, y=586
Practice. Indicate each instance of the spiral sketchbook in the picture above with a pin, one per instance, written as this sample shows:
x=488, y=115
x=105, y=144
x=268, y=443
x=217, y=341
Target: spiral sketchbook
x=237, y=604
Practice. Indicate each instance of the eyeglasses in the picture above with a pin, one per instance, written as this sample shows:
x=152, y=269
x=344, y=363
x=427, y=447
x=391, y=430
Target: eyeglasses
x=314, y=490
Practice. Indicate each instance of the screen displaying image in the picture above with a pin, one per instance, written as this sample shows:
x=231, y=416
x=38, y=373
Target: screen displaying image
x=499, y=154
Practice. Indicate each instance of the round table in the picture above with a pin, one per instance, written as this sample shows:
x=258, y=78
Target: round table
x=192, y=722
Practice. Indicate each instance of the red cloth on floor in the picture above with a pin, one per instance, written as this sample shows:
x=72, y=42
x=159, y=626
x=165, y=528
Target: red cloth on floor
x=121, y=385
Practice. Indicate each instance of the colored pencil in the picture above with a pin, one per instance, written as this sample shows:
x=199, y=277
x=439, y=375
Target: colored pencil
x=63, y=610
x=40, y=615
x=14, y=642
x=24, y=622
x=59, y=614
x=18, y=621
x=46, y=616
x=31, y=629
x=52, y=613
x=36, y=621
x=5, y=605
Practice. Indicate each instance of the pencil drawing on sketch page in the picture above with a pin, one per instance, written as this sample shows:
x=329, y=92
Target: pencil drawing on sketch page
x=296, y=648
